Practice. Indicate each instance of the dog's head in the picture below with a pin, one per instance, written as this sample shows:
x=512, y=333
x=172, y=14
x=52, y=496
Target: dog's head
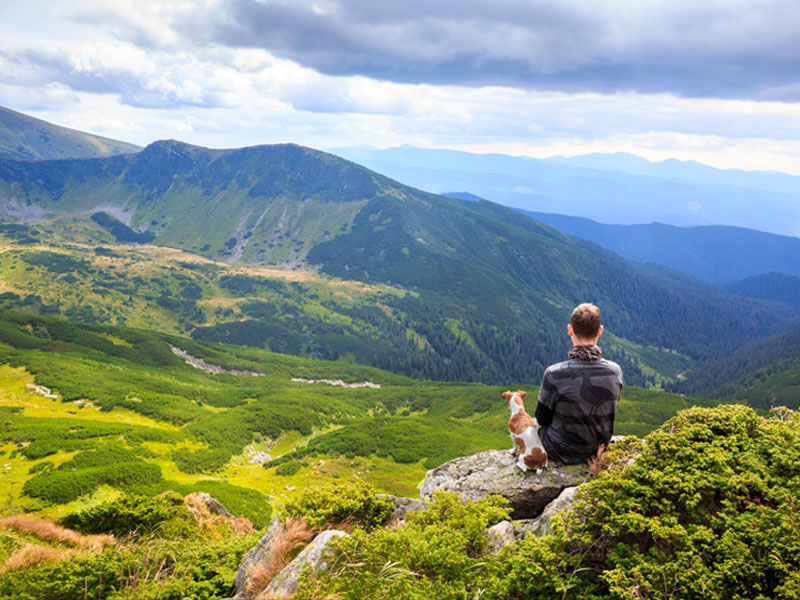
x=515, y=397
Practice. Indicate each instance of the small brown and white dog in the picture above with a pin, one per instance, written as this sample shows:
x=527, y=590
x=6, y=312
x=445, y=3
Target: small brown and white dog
x=524, y=432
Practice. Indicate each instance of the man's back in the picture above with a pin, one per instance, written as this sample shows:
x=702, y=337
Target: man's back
x=577, y=404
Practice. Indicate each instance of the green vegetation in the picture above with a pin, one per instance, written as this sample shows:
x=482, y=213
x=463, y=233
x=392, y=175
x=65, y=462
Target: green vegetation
x=120, y=231
x=703, y=508
x=435, y=555
x=433, y=440
x=131, y=514
x=22, y=136
x=200, y=564
x=354, y=503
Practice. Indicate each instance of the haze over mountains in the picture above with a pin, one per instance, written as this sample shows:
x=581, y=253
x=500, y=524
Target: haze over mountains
x=715, y=253
x=611, y=189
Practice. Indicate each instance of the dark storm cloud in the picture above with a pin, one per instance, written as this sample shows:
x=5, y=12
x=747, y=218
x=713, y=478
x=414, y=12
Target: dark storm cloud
x=706, y=49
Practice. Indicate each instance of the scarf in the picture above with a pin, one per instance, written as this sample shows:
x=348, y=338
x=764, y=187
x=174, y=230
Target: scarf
x=586, y=353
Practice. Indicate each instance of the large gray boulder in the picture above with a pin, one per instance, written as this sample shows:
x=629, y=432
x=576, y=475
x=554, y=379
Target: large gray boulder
x=313, y=557
x=495, y=472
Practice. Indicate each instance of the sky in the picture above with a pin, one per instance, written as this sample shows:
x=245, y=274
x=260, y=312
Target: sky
x=717, y=81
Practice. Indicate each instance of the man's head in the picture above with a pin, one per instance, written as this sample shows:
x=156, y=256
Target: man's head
x=584, y=324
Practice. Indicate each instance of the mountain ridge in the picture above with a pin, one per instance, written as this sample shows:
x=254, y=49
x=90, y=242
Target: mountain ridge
x=26, y=137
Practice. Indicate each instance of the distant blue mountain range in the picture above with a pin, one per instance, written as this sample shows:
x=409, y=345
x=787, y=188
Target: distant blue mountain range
x=718, y=254
x=608, y=188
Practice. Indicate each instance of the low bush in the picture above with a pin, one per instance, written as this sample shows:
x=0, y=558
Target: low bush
x=132, y=514
x=111, y=465
x=337, y=503
x=156, y=569
x=288, y=469
x=436, y=554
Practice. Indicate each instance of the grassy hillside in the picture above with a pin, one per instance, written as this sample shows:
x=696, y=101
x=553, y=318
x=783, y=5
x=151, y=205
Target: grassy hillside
x=22, y=136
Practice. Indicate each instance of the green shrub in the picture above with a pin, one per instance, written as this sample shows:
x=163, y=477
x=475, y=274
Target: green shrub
x=152, y=568
x=335, y=503
x=111, y=465
x=436, y=554
x=288, y=469
x=132, y=514
x=707, y=511
x=704, y=508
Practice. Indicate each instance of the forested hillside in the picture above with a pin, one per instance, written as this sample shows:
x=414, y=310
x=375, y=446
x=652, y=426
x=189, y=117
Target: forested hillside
x=778, y=287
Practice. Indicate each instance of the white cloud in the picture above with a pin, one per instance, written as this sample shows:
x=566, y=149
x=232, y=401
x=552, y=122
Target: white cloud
x=143, y=70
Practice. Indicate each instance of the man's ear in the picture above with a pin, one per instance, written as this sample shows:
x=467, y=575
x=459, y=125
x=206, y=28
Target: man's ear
x=569, y=329
x=600, y=332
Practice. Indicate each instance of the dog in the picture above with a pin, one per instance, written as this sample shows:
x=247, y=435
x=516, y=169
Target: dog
x=524, y=432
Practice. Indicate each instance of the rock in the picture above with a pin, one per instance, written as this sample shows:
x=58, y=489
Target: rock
x=495, y=472
x=542, y=525
x=214, y=506
x=499, y=536
x=402, y=506
x=256, y=555
x=313, y=556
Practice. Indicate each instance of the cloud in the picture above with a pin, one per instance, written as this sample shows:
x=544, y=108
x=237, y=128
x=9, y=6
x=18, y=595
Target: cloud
x=714, y=48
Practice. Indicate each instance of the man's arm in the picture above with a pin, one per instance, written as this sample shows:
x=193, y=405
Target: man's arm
x=545, y=408
x=544, y=415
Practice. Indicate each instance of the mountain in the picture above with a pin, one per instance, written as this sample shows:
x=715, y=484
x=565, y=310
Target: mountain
x=485, y=291
x=715, y=253
x=777, y=287
x=606, y=188
x=22, y=136
x=764, y=373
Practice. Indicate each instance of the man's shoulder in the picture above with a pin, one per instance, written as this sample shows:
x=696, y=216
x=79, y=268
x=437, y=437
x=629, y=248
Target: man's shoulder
x=611, y=365
x=575, y=367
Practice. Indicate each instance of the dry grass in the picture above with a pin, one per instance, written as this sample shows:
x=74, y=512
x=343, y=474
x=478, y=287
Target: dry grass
x=218, y=526
x=292, y=535
x=599, y=462
x=31, y=555
x=48, y=531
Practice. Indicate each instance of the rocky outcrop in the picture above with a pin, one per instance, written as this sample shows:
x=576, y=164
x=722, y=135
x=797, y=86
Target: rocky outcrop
x=402, y=506
x=495, y=472
x=313, y=557
x=542, y=525
x=258, y=554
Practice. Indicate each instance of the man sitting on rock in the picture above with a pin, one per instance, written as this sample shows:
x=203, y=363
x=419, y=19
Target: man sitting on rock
x=578, y=398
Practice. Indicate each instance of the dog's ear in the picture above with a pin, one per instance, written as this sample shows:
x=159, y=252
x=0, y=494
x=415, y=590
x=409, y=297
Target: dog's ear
x=507, y=395
x=522, y=394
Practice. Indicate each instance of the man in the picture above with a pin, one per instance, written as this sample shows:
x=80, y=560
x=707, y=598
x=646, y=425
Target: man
x=578, y=398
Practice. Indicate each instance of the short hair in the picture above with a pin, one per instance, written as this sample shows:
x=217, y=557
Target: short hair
x=585, y=321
